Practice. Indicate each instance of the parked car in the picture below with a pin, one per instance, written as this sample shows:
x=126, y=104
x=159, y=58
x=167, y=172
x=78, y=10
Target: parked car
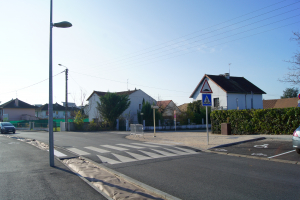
x=7, y=127
x=296, y=140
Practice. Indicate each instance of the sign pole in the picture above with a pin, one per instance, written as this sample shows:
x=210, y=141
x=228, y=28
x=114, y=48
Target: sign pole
x=207, y=126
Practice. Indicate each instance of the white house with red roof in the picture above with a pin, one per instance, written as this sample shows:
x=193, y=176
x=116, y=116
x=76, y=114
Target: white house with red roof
x=230, y=92
x=136, y=98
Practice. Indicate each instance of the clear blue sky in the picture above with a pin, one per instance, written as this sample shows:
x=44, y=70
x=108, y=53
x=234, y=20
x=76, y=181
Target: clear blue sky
x=163, y=47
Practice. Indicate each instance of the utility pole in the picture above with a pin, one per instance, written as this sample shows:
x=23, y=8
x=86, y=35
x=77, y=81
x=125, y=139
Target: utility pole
x=66, y=114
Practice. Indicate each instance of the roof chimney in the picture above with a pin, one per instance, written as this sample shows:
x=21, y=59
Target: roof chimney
x=16, y=102
x=227, y=75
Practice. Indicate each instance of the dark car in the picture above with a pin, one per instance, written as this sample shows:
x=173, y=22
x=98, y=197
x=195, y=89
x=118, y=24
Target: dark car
x=7, y=127
x=296, y=139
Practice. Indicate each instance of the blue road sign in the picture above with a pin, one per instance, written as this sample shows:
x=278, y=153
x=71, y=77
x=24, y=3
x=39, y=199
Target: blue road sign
x=206, y=99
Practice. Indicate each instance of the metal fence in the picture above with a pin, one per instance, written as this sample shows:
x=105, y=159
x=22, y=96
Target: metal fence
x=136, y=129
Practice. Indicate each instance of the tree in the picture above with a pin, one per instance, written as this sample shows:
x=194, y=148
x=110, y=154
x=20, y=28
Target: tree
x=148, y=114
x=199, y=111
x=290, y=93
x=79, y=120
x=111, y=106
x=293, y=76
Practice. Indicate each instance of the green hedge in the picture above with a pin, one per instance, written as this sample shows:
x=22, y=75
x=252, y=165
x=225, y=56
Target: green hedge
x=277, y=121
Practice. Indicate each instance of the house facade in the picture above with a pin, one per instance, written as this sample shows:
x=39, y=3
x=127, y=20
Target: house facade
x=167, y=108
x=229, y=92
x=136, y=98
x=58, y=111
x=15, y=110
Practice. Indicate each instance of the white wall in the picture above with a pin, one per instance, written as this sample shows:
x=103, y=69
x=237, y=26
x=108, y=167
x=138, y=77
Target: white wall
x=136, y=98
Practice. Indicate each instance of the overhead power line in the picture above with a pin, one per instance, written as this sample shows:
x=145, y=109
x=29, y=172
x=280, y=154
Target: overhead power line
x=136, y=55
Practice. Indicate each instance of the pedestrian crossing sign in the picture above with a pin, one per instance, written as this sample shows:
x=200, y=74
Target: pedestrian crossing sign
x=206, y=99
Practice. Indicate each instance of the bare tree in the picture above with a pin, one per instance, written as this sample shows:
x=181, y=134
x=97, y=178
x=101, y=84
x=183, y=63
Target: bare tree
x=293, y=76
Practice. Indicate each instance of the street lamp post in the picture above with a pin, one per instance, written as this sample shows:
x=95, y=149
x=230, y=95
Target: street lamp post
x=63, y=24
x=66, y=112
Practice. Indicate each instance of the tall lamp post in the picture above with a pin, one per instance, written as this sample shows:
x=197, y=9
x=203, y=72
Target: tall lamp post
x=66, y=113
x=63, y=24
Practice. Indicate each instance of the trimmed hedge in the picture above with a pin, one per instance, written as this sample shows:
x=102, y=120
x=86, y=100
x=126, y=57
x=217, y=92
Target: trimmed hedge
x=276, y=121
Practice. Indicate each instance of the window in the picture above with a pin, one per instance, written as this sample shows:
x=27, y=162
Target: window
x=216, y=102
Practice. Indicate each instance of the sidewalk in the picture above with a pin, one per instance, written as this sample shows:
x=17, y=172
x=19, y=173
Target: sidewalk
x=26, y=174
x=198, y=139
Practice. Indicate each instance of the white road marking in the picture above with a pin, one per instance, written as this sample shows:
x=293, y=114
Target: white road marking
x=138, y=156
x=258, y=154
x=177, y=152
x=124, y=158
x=164, y=153
x=146, y=145
x=261, y=146
x=153, y=155
x=282, y=154
x=159, y=144
x=58, y=154
x=186, y=150
x=114, y=147
x=97, y=149
x=131, y=146
x=108, y=160
x=78, y=151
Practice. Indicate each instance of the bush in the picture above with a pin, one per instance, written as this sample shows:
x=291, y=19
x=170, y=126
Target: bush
x=79, y=120
x=264, y=121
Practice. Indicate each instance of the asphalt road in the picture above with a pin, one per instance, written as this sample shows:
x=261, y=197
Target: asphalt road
x=25, y=174
x=199, y=175
x=268, y=148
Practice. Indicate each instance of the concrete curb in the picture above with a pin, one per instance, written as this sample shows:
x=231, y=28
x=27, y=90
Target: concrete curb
x=134, y=182
x=86, y=181
x=235, y=143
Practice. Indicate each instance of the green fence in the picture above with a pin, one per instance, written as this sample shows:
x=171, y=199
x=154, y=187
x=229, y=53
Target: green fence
x=43, y=123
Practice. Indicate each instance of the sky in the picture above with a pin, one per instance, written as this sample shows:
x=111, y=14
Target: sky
x=163, y=47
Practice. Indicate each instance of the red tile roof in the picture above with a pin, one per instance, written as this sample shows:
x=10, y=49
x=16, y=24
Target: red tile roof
x=280, y=103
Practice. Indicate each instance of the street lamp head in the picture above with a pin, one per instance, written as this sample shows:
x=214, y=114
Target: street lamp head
x=63, y=24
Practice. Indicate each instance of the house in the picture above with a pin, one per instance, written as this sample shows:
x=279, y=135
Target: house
x=183, y=107
x=229, y=92
x=15, y=110
x=281, y=103
x=58, y=111
x=167, y=108
x=136, y=98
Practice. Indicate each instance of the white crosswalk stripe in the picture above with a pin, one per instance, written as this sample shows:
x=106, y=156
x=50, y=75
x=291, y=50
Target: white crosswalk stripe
x=177, y=152
x=159, y=144
x=138, y=156
x=97, y=149
x=114, y=147
x=78, y=151
x=186, y=150
x=164, y=152
x=146, y=145
x=131, y=146
x=153, y=155
x=124, y=158
x=108, y=160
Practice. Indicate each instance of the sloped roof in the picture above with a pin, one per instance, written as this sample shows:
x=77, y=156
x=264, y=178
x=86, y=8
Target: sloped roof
x=12, y=104
x=183, y=107
x=163, y=104
x=232, y=85
x=99, y=93
x=56, y=107
x=280, y=103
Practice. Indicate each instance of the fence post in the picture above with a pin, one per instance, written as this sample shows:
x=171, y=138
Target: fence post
x=127, y=128
x=117, y=127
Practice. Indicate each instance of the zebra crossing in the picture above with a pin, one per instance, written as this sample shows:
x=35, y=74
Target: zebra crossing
x=124, y=153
